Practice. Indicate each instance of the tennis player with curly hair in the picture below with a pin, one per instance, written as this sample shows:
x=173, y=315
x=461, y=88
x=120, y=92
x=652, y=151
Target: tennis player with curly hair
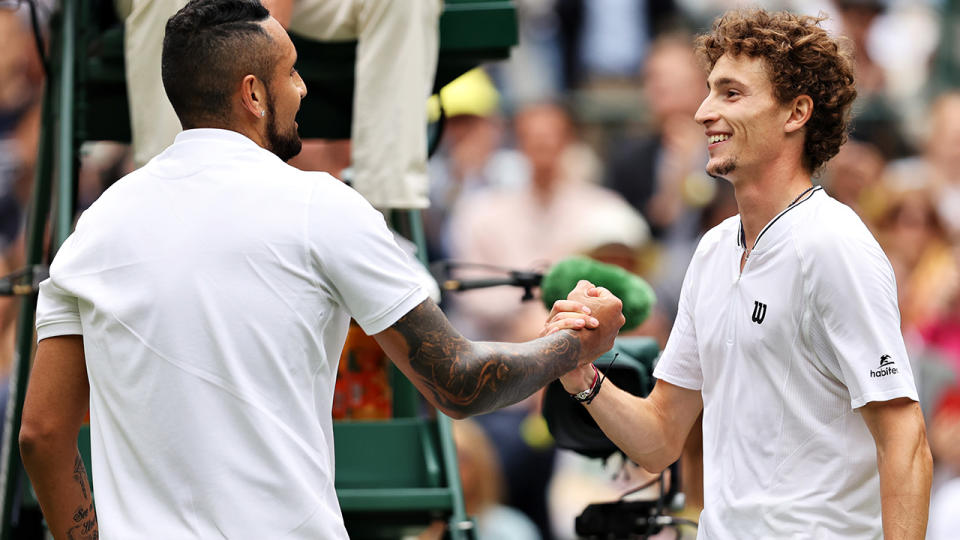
x=787, y=336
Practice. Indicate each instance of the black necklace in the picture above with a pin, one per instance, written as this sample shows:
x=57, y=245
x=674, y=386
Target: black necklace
x=800, y=196
x=747, y=251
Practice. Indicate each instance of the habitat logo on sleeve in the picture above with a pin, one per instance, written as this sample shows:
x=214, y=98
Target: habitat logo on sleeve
x=887, y=367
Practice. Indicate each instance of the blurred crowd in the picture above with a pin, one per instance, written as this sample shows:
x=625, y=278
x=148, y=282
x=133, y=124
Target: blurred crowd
x=21, y=86
x=584, y=143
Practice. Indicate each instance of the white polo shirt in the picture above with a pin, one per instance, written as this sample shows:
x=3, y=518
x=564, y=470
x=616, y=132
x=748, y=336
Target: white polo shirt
x=784, y=353
x=213, y=288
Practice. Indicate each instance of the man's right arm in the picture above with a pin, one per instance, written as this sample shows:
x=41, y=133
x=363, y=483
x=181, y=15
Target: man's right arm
x=53, y=411
x=463, y=378
x=651, y=430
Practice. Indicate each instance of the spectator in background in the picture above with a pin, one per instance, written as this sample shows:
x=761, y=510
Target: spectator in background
x=471, y=157
x=608, y=38
x=874, y=119
x=943, y=332
x=21, y=83
x=522, y=228
x=652, y=171
x=915, y=241
x=923, y=222
x=922, y=225
x=534, y=70
x=942, y=159
x=482, y=479
x=853, y=176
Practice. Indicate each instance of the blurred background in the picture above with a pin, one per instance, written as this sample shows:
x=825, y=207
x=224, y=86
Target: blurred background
x=584, y=143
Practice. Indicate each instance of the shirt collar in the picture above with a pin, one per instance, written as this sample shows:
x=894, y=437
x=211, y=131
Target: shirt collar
x=213, y=134
x=196, y=149
x=769, y=232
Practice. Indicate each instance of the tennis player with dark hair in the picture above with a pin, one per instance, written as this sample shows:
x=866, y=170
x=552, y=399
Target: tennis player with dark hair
x=200, y=309
x=788, y=332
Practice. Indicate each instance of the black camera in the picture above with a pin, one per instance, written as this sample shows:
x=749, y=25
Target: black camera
x=629, y=366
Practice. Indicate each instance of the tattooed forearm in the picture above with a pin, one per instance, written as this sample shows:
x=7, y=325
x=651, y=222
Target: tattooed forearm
x=85, y=517
x=472, y=378
x=80, y=476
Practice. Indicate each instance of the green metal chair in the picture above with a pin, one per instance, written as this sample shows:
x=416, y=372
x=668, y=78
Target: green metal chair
x=85, y=100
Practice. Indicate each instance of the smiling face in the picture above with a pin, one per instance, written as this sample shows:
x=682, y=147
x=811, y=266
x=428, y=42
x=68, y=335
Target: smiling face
x=744, y=122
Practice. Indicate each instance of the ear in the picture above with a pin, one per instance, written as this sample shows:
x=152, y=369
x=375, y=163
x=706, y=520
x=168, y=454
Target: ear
x=253, y=96
x=800, y=110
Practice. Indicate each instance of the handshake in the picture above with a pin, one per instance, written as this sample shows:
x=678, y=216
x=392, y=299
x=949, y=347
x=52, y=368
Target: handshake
x=596, y=316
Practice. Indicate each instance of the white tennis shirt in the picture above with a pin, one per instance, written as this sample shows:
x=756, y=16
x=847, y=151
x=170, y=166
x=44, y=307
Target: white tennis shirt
x=784, y=353
x=213, y=288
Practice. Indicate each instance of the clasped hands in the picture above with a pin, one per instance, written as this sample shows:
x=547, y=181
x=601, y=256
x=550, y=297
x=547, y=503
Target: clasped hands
x=596, y=315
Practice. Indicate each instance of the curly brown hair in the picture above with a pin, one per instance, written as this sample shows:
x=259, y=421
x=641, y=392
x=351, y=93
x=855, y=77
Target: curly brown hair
x=801, y=59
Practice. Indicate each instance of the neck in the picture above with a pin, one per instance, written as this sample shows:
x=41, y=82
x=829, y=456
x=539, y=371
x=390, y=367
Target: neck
x=251, y=132
x=760, y=201
x=542, y=184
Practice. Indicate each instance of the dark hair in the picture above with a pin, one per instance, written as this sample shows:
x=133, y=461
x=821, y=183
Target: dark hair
x=209, y=46
x=801, y=59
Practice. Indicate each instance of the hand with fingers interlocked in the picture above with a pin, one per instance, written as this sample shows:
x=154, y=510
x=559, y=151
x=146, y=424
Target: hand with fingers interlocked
x=594, y=313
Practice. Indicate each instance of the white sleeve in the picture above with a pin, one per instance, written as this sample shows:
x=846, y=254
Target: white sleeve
x=679, y=364
x=359, y=260
x=854, y=303
x=944, y=518
x=58, y=313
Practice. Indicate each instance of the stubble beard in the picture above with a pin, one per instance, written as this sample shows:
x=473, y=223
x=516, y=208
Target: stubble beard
x=722, y=169
x=283, y=145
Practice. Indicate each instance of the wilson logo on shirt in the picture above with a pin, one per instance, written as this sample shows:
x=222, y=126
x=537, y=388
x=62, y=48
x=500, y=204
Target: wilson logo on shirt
x=759, y=312
x=887, y=367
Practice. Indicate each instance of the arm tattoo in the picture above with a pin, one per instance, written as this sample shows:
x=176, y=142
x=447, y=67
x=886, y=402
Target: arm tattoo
x=85, y=517
x=80, y=476
x=473, y=378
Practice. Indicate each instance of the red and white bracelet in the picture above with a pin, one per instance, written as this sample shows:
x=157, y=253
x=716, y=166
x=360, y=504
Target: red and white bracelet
x=587, y=395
